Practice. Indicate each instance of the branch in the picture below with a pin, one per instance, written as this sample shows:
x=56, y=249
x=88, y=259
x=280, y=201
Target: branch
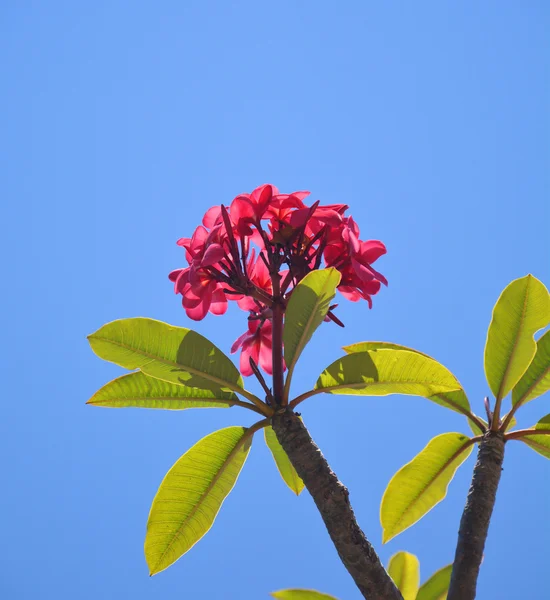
x=332, y=500
x=474, y=524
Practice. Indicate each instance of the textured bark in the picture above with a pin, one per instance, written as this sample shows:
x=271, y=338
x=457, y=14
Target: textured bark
x=474, y=524
x=332, y=500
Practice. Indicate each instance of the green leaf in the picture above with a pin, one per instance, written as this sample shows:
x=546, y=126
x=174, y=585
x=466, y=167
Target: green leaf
x=307, y=307
x=522, y=309
x=191, y=495
x=437, y=586
x=476, y=430
x=404, y=569
x=540, y=443
x=421, y=484
x=174, y=354
x=285, y=467
x=384, y=372
x=301, y=595
x=455, y=400
x=139, y=390
x=536, y=380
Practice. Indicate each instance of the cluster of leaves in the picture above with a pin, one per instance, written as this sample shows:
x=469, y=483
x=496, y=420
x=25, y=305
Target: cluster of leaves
x=180, y=369
x=404, y=569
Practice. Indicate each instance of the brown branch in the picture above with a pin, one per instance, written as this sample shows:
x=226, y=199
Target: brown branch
x=474, y=524
x=332, y=500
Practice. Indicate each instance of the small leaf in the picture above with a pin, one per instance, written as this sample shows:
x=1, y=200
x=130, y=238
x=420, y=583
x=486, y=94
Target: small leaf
x=522, y=309
x=301, y=595
x=540, y=443
x=437, y=586
x=404, y=569
x=174, y=354
x=455, y=400
x=536, y=380
x=139, y=390
x=191, y=495
x=421, y=484
x=384, y=372
x=307, y=307
x=285, y=467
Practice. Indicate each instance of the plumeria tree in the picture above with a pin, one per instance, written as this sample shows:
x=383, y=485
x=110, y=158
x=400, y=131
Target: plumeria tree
x=282, y=262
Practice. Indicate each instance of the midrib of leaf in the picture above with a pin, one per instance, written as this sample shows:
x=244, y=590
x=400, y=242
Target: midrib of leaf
x=196, y=507
x=516, y=341
x=438, y=474
x=300, y=346
x=532, y=387
x=162, y=399
x=382, y=383
x=171, y=363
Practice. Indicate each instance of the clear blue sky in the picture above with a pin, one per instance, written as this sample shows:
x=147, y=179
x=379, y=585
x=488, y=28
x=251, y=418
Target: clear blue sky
x=122, y=122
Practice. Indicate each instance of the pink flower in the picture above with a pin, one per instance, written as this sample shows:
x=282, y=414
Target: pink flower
x=199, y=296
x=255, y=344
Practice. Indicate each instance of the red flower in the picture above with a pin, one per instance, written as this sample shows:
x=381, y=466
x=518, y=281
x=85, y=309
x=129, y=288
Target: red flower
x=255, y=344
x=199, y=295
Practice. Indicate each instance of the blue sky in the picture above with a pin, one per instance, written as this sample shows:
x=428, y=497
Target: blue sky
x=122, y=122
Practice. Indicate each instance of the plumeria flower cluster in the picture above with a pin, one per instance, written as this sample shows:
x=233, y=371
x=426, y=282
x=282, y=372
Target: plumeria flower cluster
x=256, y=250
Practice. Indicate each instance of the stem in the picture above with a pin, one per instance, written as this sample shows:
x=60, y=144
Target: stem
x=332, y=500
x=277, y=337
x=474, y=524
x=519, y=433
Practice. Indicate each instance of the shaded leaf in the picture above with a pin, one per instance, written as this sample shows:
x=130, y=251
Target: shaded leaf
x=522, y=309
x=306, y=309
x=536, y=380
x=384, y=372
x=139, y=390
x=437, y=586
x=540, y=443
x=191, y=495
x=285, y=467
x=421, y=484
x=174, y=354
x=301, y=595
x=455, y=400
x=404, y=569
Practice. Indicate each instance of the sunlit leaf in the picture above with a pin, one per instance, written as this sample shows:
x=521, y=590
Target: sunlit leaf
x=384, y=372
x=191, y=495
x=307, y=307
x=174, y=354
x=285, y=467
x=404, y=569
x=437, y=586
x=421, y=484
x=522, y=309
x=139, y=390
x=536, y=380
x=301, y=595
x=540, y=443
x=455, y=400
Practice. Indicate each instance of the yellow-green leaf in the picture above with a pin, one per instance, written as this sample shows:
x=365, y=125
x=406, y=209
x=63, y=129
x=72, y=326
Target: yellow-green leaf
x=301, y=595
x=536, y=380
x=139, y=390
x=421, y=484
x=437, y=586
x=285, y=467
x=306, y=309
x=455, y=400
x=522, y=309
x=404, y=569
x=191, y=495
x=540, y=442
x=174, y=354
x=384, y=372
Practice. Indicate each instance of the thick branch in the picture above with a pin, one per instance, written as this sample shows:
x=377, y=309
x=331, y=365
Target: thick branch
x=331, y=498
x=474, y=524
